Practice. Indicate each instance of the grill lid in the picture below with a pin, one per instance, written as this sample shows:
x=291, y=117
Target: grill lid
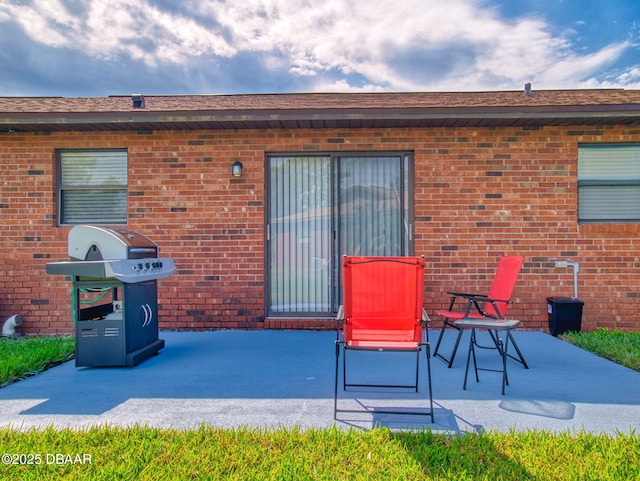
x=89, y=242
x=105, y=253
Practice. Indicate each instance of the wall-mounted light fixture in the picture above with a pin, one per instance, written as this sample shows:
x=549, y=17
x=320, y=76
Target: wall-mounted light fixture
x=236, y=169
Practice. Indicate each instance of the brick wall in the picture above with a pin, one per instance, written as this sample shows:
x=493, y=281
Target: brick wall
x=479, y=193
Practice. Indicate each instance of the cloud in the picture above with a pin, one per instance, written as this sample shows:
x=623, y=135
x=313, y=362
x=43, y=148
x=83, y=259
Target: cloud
x=276, y=45
x=136, y=29
x=631, y=76
x=629, y=79
x=577, y=67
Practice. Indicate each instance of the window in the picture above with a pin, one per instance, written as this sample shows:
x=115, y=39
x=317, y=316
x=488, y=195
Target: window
x=609, y=183
x=322, y=207
x=92, y=186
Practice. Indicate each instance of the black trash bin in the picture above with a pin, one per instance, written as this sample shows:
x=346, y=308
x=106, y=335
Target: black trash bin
x=565, y=314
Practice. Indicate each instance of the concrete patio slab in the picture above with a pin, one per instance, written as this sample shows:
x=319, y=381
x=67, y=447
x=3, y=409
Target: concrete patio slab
x=286, y=378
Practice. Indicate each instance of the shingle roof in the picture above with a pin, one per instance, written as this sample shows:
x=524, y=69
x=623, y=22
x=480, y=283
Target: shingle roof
x=321, y=110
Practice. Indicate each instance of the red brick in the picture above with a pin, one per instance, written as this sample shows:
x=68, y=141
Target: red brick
x=480, y=193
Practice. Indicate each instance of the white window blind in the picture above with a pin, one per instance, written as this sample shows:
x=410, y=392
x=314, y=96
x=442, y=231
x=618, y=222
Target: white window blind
x=300, y=232
x=372, y=206
x=609, y=183
x=93, y=186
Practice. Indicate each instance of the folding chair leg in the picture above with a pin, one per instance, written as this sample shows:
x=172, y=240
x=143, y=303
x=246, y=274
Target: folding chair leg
x=503, y=352
x=344, y=369
x=520, y=357
x=500, y=346
x=430, y=412
x=455, y=346
x=471, y=352
x=428, y=355
x=442, y=329
x=417, y=368
x=335, y=388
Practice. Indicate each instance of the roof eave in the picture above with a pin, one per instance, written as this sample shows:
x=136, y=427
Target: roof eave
x=134, y=120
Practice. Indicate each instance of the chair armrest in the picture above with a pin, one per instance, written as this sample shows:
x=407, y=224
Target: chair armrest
x=478, y=298
x=461, y=294
x=340, y=315
x=425, y=316
x=472, y=300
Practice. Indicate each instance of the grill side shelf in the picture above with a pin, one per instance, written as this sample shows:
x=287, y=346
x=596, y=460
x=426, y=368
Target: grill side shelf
x=78, y=268
x=124, y=270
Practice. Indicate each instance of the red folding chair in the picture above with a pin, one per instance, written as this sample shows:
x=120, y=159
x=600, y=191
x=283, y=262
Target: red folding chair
x=383, y=311
x=483, y=309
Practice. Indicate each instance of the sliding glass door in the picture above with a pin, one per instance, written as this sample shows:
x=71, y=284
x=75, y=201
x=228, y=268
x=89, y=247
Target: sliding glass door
x=326, y=206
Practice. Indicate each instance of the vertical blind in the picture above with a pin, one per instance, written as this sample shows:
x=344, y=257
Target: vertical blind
x=371, y=206
x=93, y=186
x=609, y=183
x=300, y=234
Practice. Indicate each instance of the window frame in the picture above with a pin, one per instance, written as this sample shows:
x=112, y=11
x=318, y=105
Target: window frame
x=586, y=184
x=61, y=188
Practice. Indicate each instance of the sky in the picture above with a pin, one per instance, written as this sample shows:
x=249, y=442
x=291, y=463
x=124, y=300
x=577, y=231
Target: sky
x=79, y=48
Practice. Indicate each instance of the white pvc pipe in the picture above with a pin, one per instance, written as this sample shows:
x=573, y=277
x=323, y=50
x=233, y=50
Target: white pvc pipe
x=576, y=269
x=9, y=326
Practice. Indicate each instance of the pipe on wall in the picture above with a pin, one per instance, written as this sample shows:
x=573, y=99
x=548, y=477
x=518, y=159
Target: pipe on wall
x=9, y=326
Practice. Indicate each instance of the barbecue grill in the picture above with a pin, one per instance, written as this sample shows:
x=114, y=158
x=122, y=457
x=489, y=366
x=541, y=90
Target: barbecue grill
x=114, y=300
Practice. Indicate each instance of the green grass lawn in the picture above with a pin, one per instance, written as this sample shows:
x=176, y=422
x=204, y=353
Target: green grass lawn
x=143, y=453
x=26, y=356
x=617, y=346
x=140, y=453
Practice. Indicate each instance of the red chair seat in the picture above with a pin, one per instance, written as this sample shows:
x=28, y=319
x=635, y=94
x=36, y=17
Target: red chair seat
x=383, y=339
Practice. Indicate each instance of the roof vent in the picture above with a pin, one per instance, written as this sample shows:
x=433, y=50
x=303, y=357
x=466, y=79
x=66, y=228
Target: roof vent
x=138, y=101
x=527, y=89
